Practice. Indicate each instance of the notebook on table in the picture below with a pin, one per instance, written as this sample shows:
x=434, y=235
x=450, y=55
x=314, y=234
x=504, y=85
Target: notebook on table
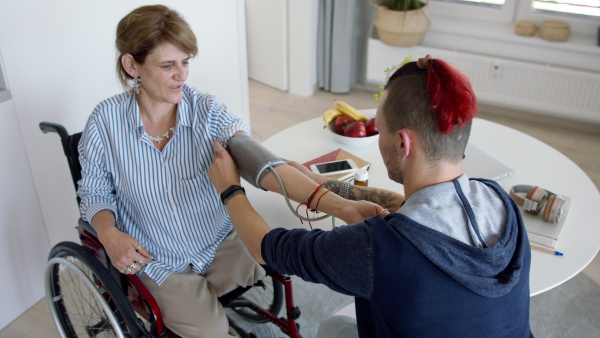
x=545, y=233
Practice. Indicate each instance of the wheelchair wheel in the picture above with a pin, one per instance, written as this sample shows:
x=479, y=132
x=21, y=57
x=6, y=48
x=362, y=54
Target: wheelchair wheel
x=84, y=299
x=267, y=294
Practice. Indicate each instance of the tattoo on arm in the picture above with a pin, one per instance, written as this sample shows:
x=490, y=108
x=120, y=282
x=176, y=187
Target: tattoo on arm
x=387, y=199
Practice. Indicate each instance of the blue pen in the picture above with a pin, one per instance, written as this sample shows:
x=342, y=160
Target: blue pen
x=549, y=251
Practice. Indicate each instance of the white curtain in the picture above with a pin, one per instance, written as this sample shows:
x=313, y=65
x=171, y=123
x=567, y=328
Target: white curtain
x=344, y=29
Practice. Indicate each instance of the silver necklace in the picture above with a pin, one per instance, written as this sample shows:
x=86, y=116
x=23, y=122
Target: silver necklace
x=159, y=138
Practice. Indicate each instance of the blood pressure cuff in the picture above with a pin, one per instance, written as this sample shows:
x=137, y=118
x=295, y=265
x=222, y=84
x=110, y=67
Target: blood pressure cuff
x=253, y=160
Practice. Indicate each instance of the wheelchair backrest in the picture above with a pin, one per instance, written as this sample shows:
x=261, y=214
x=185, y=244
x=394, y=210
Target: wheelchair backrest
x=69, y=145
x=73, y=157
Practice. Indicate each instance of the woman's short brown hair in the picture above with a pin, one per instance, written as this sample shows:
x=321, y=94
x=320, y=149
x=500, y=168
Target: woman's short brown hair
x=146, y=27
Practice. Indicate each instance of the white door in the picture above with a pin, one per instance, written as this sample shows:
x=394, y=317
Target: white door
x=267, y=29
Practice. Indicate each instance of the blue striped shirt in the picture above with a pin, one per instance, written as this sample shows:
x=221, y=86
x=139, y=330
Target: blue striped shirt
x=162, y=198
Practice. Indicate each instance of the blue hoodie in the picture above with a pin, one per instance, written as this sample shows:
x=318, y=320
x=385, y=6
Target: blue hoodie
x=412, y=279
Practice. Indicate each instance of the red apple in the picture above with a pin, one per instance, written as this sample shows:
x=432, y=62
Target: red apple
x=356, y=129
x=341, y=123
x=370, y=126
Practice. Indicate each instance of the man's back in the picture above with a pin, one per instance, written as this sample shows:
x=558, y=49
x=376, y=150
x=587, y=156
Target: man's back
x=429, y=284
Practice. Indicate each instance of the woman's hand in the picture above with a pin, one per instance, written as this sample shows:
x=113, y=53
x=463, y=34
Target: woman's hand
x=125, y=252
x=223, y=172
x=357, y=211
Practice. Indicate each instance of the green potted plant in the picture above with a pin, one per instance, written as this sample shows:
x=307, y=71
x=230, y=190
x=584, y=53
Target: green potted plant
x=401, y=23
x=388, y=73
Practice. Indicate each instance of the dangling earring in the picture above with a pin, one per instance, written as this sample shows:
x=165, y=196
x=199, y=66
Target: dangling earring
x=134, y=84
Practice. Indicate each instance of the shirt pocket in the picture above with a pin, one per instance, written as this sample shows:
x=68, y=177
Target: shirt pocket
x=191, y=194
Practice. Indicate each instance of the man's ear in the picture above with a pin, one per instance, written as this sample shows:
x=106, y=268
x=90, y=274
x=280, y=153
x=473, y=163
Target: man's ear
x=406, y=138
x=129, y=65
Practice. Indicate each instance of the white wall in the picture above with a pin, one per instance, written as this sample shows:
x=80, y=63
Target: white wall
x=59, y=62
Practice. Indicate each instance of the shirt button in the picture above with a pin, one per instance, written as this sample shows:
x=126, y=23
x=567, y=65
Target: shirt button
x=164, y=164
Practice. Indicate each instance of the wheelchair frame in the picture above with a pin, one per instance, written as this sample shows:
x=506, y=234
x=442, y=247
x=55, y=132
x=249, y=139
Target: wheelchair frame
x=130, y=287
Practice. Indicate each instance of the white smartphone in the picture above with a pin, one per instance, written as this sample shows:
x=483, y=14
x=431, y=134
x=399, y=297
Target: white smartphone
x=334, y=167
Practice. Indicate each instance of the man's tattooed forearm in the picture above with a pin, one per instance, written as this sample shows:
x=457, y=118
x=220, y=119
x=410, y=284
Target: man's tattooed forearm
x=385, y=198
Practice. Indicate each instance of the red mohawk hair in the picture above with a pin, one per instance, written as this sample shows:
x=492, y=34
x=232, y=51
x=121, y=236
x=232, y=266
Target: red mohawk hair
x=451, y=95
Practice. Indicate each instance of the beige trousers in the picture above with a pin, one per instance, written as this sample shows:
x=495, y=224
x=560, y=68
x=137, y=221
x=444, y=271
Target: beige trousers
x=188, y=300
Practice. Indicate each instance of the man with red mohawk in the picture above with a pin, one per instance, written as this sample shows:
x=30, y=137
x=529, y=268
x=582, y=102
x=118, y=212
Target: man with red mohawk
x=451, y=259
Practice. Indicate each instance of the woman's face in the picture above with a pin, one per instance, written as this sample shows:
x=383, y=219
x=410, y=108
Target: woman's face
x=163, y=74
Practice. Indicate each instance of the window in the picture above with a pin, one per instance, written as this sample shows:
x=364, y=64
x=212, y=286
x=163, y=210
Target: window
x=583, y=8
x=583, y=16
x=493, y=11
x=491, y=3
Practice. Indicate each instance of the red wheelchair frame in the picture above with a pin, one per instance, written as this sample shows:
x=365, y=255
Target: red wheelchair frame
x=137, y=295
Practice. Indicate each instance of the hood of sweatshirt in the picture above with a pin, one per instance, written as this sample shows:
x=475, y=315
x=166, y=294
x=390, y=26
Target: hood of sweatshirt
x=453, y=223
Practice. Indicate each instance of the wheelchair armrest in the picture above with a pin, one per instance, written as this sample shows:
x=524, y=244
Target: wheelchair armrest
x=87, y=227
x=47, y=127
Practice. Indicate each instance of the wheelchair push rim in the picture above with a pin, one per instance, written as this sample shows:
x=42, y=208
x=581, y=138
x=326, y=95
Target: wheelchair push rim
x=83, y=297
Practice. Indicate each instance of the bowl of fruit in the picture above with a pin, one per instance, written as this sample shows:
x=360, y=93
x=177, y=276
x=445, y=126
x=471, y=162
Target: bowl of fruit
x=349, y=126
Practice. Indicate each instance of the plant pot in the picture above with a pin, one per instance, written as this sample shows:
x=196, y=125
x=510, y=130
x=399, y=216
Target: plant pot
x=402, y=28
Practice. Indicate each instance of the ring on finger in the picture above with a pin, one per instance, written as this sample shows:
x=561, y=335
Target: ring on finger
x=141, y=261
x=133, y=266
x=127, y=271
x=382, y=211
x=139, y=247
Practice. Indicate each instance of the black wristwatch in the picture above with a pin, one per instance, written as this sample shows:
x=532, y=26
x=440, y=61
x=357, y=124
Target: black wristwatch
x=233, y=190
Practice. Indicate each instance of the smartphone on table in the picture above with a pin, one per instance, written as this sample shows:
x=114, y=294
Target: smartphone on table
x=334, y=167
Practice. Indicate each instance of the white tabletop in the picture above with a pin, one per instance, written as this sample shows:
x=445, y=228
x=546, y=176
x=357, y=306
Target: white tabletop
x=535, y=163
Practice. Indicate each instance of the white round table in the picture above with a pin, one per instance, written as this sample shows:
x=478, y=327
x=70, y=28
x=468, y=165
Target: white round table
x=535, y=163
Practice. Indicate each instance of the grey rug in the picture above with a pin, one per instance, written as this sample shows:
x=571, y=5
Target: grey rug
x=571, y=310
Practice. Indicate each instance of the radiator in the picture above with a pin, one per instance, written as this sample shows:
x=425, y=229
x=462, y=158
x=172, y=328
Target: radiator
x=537, y=88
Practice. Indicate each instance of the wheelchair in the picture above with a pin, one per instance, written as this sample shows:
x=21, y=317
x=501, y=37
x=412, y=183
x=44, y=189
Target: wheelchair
x=87, y=296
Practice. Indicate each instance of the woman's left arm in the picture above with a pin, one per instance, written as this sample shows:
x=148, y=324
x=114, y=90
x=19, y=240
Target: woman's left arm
x=252, y=227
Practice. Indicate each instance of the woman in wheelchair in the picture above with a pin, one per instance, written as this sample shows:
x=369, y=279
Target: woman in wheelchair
x=144, y=155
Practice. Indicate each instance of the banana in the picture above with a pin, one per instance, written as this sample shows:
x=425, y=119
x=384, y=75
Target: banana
x=330, y=115
x=347, y=109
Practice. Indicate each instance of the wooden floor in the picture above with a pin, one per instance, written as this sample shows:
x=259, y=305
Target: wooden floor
x=272, y=110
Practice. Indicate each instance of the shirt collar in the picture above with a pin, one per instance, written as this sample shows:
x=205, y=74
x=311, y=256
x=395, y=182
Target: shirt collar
x=135, y=119
x=133, y=113
x=184, y=108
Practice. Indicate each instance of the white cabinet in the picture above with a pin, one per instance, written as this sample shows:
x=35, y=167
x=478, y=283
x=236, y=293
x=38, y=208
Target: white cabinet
x=24, y=244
